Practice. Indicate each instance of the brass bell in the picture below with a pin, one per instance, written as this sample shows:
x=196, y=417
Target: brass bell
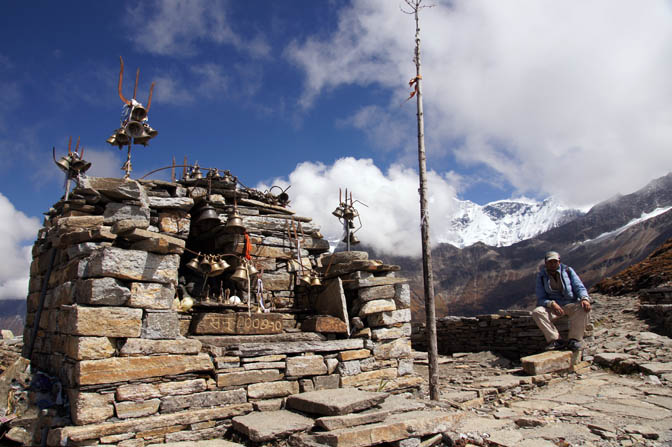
x=251, y=269
x=315, y=281
x=119, y=138
x=304, y=279
x=64, y=163
x=139, y=113
x=148, y=134
x=80, y=165
x=205, y=265
x=196, y=172
x=338, y=212
x=318, y=235
x=240, y=275
x=134, y=129
x=207, y=215
x=349, y=213
x=235, y=223
x=353, y=239
x=193, y=264
x=219, y=267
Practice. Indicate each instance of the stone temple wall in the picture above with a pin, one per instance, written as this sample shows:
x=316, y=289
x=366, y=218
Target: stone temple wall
x=110, y=272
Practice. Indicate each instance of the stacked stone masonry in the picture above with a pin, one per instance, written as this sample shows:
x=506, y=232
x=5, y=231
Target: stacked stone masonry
x=110, y=268
x=656, y=305
x=511, y=333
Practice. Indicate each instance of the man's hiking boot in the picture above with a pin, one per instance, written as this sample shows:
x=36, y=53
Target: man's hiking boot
x=574, y=345
x=555, y=345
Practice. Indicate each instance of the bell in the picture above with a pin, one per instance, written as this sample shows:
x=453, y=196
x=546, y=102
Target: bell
x=251, y=269
x=134, y=129
x=304, y=279
x=353, y=239
x=119, y=138
x=349, y=213
x=193, y=264
x=218, y=267
x=283, y=197
x=235, y=223
x=196, y=172
x=315, y=281
x=80, y=165
x=318, y=235
x=207, y=214
x=139, y=113
x=240, y=275
x=64, y=163
x=205, y=265
x=338, y=212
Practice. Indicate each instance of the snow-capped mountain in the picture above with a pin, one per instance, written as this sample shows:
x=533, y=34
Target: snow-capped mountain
x=504, y=222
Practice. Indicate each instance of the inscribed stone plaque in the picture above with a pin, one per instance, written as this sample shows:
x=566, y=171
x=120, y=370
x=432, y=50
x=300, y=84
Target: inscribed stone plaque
x=238, y=323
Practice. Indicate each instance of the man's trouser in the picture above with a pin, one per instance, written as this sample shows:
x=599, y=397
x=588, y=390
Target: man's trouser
x=578, y=319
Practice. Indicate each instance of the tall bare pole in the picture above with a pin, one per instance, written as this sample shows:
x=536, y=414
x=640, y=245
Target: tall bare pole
x=428, y=277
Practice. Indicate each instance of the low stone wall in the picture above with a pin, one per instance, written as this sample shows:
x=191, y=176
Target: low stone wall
x=656, y=306
x=511, y=333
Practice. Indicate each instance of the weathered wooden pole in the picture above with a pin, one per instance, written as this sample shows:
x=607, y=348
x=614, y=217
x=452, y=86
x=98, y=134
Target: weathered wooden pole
x=428, y=276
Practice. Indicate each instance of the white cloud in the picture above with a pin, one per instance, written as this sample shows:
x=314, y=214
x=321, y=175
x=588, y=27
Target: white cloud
x=569, y=98
x=15, y=230
x=204, y=82
x=176, y=27
x=105, y=163
x=391, y=219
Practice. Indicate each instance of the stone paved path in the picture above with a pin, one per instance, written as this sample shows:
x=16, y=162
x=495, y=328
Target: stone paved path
x=595, y=406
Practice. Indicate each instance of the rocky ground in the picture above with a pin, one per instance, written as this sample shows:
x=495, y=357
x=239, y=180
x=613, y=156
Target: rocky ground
x=622, y=396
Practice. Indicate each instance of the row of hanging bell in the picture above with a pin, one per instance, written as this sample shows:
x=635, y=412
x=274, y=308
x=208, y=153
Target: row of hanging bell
x=210, y=265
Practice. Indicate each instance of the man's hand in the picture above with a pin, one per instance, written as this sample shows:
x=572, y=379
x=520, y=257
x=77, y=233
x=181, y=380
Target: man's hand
x=556, y=309
x=586, y=305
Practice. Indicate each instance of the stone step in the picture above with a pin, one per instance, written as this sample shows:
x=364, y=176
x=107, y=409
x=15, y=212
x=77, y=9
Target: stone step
x=270, y=425
x=547, y=362
x=334, y=402
x=395, y=428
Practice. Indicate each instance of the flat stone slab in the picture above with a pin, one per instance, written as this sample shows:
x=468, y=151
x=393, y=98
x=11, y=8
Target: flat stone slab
x=547, y=362
x=656, y=368
x=270, y=425
x=333, y=402
x=351, y=420
x=207, y=443
x=396, y=427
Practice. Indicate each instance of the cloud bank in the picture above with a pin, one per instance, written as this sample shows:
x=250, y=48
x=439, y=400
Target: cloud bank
x=17, y=233
x=570, y=99
x=391, y=217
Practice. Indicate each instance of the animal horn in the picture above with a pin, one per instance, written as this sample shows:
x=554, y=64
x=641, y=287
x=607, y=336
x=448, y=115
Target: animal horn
x=149, y=100
x=121, y=80
x=69, y=145
x=53, y=152
x=77, y=147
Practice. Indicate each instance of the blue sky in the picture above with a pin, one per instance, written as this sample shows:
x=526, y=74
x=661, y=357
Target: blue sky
x=537, y=98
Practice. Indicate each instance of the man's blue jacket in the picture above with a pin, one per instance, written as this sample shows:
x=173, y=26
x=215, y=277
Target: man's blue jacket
x=573, y=289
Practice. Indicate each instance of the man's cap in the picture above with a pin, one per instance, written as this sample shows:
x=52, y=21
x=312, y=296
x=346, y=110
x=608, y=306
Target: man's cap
x=552, y=255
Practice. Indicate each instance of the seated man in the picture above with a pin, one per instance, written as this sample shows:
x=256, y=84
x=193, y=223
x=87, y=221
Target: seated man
x=560, y=292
